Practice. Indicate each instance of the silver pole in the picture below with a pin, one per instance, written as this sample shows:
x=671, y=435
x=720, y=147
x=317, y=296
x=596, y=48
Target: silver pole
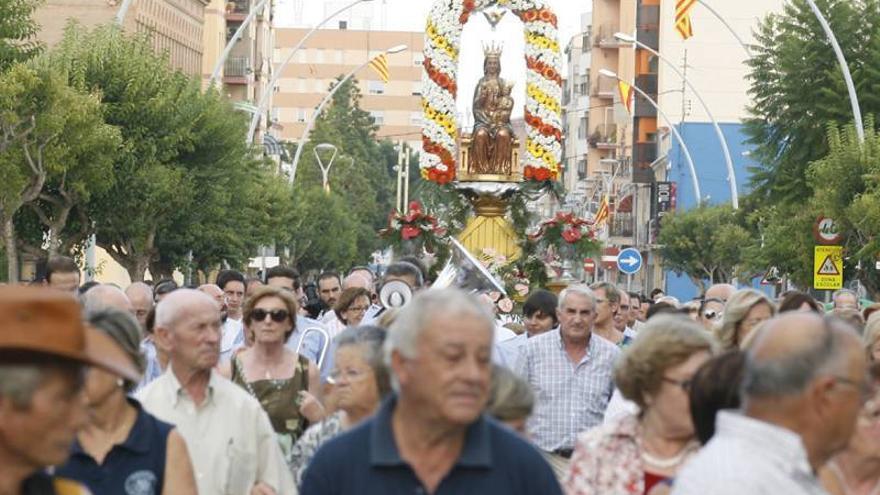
x=305, y=136
x=264, y=98
x=729, y=28
x=731, y=174
x=844, y=68
x=123, y=9
x=238, y=32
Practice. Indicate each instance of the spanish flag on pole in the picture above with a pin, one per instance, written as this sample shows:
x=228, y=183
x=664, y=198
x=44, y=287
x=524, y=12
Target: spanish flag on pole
x=380, y=65
x=683, y=18
x=626, y=95
x=602, y=213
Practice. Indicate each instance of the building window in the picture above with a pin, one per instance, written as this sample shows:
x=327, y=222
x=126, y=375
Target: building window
x=319, y=55
x=337, y=54
x=418, y=59
x=376, y=87
x=300, y=115
x=378, y=117
x=417, y=89
x=415, y=119
x=582, y=128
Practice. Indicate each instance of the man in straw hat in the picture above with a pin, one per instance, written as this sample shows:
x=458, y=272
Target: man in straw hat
x=44, y=348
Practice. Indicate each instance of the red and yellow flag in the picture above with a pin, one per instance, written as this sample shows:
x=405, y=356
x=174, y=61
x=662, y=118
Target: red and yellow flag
x=683, y=18
x=626, y=95
x=602, y=213
x=380, y=65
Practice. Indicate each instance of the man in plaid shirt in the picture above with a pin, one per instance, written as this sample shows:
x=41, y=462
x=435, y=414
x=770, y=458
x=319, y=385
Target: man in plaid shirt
x=570, y=370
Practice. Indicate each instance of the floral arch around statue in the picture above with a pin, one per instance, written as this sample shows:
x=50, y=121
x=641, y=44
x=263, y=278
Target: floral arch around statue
x=543, y=109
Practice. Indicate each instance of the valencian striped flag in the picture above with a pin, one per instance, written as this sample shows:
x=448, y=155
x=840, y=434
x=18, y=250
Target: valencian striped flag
x=626, y=95
x=602, y=213
x=683, y=18
x=380, y=65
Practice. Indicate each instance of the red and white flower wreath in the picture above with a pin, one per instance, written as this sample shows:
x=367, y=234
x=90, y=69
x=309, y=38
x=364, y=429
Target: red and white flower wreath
x=543, y=112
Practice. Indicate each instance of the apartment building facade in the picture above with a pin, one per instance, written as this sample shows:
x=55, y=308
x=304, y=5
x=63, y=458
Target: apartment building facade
x=175, y=26
x=330, y=53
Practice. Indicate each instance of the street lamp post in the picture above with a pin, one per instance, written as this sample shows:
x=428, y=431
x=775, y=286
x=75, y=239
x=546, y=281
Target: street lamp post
x=325, y=171
x=305, y=136
x=264, y=98
x=687, y=153
x=731, y=174
x=123, y=9
x=844, y=69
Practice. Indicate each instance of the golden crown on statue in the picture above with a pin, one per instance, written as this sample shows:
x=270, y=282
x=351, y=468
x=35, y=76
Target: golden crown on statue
x=493, y=49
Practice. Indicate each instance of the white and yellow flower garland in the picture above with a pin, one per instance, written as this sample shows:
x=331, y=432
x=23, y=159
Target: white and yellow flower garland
x=543, y=112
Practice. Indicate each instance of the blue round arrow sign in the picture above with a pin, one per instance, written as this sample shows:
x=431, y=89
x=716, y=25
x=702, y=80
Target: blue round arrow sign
x=629, y=261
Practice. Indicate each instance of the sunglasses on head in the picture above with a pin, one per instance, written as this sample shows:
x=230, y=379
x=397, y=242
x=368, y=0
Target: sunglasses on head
x=277, y=315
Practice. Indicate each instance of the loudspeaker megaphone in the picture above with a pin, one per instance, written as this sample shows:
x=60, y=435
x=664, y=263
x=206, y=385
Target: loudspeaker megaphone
x=466, y=272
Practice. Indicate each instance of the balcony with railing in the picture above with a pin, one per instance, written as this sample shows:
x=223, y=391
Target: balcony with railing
x=644, y=108
x=622, y=225
x=604, y=37
x=604, y=88
x=648, y=25
x=237, y=10
x=648, y=84
x=604, y=137
x=237, y=70
x=644, y=154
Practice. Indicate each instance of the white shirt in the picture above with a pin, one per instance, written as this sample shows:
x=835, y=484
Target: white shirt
x=232, y=339
x=749, y=457
x=229, y=437
x=619, y=407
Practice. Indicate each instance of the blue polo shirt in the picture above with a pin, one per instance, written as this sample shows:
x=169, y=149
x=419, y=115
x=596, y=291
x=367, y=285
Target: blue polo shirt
x=134, y=467
x=365, y=460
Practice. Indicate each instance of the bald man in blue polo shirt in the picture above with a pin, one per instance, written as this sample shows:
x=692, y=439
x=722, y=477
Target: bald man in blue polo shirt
x=431, y=436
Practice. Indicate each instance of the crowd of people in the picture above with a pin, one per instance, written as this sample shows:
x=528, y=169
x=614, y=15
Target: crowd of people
x=269, y=386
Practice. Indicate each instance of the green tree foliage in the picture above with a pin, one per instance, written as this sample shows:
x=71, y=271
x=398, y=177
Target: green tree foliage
x=704, y=243
x=797, y=89
x=185, y=179
x=66, y=142
x=361, y=176
x=846, y=185
x=18, y=32
x=320, y=231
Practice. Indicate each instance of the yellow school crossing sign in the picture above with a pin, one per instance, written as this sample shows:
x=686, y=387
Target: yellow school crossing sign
x=828, y=268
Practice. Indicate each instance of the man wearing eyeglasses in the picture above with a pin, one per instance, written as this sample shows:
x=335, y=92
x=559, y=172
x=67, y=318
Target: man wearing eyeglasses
x=804, y=383
x=607, y=304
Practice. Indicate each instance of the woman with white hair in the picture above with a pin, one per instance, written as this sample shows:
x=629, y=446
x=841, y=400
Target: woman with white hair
x=361, y=381
x=745, y=310
x=642, y=451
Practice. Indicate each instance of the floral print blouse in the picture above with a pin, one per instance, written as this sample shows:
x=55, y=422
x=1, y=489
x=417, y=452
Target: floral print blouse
x=308, y=444
x=607, y=459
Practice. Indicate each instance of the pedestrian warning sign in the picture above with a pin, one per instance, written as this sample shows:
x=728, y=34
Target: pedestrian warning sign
x=828, y=268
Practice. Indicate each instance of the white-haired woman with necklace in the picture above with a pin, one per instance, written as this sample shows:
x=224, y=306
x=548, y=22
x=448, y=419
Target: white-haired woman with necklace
x=641, y=453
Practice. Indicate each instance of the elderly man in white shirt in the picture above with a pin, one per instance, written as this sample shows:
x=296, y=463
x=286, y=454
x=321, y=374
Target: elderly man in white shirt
x=804, y=384
x=230, y=439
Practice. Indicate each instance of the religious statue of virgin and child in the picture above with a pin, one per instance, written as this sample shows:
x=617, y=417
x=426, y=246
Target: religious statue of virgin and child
x=493, y=138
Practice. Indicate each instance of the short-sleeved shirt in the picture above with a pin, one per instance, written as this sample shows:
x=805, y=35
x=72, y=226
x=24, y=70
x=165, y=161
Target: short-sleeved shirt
x=135, y=467
x=569, y=398
x=493, y=460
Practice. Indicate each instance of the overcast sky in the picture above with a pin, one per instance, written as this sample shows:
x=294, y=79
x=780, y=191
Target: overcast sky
x=410, y=15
